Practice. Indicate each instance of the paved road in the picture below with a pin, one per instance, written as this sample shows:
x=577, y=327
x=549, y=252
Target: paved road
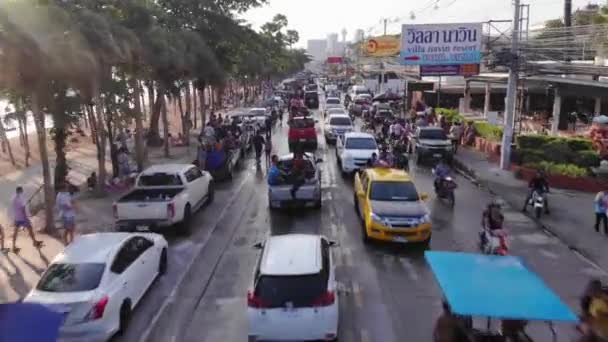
x=387, y=292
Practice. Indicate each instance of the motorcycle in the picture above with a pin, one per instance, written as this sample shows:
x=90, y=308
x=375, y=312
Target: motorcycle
x=445, y=189
x=537, y=201
x=493, y=242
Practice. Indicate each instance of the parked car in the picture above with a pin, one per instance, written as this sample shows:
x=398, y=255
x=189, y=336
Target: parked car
x=293, y=294
x=390, y=207
x=302, y=133
x=431, y=143
x=309, y=194
x=164, y=195
x=337, y=125
x=97, y=282
x=354, y=150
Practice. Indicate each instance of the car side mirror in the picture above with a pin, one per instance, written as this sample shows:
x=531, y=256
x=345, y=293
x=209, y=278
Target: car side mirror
x=258, y=245
x=333, y=243
x=319, y=160
x=424, y=196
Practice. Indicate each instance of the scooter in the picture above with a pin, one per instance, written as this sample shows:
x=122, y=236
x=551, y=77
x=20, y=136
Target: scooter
x=493, y=242
x=445, y=189
x=537, y=201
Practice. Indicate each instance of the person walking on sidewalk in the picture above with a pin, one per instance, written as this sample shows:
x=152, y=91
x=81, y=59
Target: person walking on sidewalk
x=20, y=216
x=67, y=211
x=600, y=207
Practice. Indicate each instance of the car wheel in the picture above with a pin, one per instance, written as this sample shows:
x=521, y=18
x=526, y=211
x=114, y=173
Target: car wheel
x=210, y=192
x=185, y=224
x=318, y=204
x=124, y=317
x=366, y=238
x=356, y=202
x=162, y=263
x=426, y=244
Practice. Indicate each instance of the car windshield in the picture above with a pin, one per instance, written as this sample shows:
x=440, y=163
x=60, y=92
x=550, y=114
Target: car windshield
x=332, y=101
x=340, y=121
x=361, y=91
x=336, y=111
x=71, y=277
x=302, y=123
x=434, y=134
x=159, y=179
x=258, y=111
x=361, y=144
x=300, y=290
x=393, y=191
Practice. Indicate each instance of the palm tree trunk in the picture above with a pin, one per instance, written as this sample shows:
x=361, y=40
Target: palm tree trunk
x=101, y=145
x=142, y=101
x=26, y=141
x=21, y=138
x=6, y=143
x=49, y=198
x=201, y=94
x=91, y=117
x=139, y=127
x=150, y=99
x=194, y=106
x=163, y=105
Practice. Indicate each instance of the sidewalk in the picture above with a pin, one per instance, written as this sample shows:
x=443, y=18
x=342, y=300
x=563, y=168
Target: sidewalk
x=571, y=218
x=19, y=272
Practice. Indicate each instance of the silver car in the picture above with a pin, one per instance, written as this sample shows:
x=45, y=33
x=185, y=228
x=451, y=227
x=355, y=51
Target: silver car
x=308, y=194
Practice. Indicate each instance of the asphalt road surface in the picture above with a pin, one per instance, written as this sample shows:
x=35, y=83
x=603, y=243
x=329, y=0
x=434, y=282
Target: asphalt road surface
x=388, y=292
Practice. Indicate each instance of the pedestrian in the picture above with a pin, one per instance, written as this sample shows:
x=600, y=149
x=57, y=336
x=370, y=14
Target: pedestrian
x=2, y=249
x=21, y=219
x=67, y=211
x=456, y=132
x=202, y=155
x=124, y=170
x=600, y=211
x=268, y=150
x=123, y=137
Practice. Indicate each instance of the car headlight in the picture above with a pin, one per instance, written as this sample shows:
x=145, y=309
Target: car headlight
x=425, y=219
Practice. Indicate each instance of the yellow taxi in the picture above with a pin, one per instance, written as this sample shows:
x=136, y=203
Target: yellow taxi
x=390, y=207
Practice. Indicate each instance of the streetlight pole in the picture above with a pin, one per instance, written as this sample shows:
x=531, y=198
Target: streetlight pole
x=507, y=137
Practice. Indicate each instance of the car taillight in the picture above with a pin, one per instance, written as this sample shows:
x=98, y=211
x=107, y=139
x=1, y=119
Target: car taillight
x=255, y=302
x=98, y=309
x=115, y=210
x=326, y=299
x=170, y=210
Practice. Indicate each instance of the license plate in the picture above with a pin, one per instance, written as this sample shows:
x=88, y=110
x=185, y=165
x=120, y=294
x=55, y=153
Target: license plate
x=302, y=140
x=141, y=228
x=437, y=155
x=399, y=239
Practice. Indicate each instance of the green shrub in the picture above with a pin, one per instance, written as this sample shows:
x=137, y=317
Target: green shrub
x=488, y=132
x=558, y=151
x=558, y=169
x=579, y=144
x=533, y=141
x=587, y=159
x=451, y=115
x=529, y=155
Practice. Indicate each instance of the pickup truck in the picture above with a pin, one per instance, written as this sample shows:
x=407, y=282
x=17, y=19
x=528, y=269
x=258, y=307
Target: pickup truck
x=302, y=133
x=309, y=194
x=164, y=196
x=353, y=150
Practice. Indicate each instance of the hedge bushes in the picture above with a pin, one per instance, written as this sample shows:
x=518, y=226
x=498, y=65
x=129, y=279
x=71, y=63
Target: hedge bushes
x=488, y=131
x=559, y=169
x=451, y=115
x=555, y=155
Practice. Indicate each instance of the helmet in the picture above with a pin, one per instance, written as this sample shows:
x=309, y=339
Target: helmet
x=496, y=202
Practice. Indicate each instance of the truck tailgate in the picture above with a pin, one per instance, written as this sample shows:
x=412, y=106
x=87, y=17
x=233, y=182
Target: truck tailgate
x=307, y=192
x=156, y=210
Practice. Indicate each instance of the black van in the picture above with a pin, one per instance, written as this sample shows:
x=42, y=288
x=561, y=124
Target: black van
x=311, y=99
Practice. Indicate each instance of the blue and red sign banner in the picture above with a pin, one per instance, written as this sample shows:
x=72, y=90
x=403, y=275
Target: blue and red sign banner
x=449, y=70
x=441, y=44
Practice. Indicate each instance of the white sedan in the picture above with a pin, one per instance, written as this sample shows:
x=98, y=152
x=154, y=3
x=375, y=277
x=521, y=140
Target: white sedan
x=98, y=280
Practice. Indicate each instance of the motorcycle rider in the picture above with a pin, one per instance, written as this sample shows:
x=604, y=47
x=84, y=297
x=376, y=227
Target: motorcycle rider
x=386, y=157
x=442, y=170
x=540, y=185
x=492, y=217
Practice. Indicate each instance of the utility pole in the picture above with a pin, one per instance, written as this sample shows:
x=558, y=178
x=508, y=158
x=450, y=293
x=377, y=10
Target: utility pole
x=507, y=137
x=568, y=13
x=385, y=22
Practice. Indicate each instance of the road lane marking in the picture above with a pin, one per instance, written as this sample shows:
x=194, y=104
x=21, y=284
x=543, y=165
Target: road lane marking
x=347, y=256
x=409, y=267
x=357, y=295
x=365, y=336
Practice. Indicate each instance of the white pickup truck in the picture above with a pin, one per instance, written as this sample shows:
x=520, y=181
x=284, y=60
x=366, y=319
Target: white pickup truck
x=353, y=150
x=164, y=195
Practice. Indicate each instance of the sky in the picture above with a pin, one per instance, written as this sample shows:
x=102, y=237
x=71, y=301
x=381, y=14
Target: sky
x=314, y=19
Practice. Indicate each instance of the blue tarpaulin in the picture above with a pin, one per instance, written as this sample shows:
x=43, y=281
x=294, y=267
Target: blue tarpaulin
x=496, y=287
x=25, y=322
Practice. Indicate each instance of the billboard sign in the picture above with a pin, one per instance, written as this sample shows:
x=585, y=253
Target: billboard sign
x=449, y=70
x=383, y=46
x=334, y=60
x=441, y=44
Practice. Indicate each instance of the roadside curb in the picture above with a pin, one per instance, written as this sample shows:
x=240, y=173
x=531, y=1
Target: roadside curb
x=469, y=173
x=145, y=335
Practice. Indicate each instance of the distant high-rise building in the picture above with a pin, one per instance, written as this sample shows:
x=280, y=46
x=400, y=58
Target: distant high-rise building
x=332, y=45
x=359, y=35
x=344, y=32
x=317, y=49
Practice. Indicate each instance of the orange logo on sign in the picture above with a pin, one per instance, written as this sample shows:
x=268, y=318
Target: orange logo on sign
x=382, y=46
x=372, y=46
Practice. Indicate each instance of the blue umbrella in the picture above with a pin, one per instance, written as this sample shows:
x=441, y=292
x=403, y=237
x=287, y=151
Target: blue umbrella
x=25, y=322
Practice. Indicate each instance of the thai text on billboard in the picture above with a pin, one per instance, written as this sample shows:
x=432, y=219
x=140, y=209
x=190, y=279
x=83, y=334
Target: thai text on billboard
x=441, y=44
